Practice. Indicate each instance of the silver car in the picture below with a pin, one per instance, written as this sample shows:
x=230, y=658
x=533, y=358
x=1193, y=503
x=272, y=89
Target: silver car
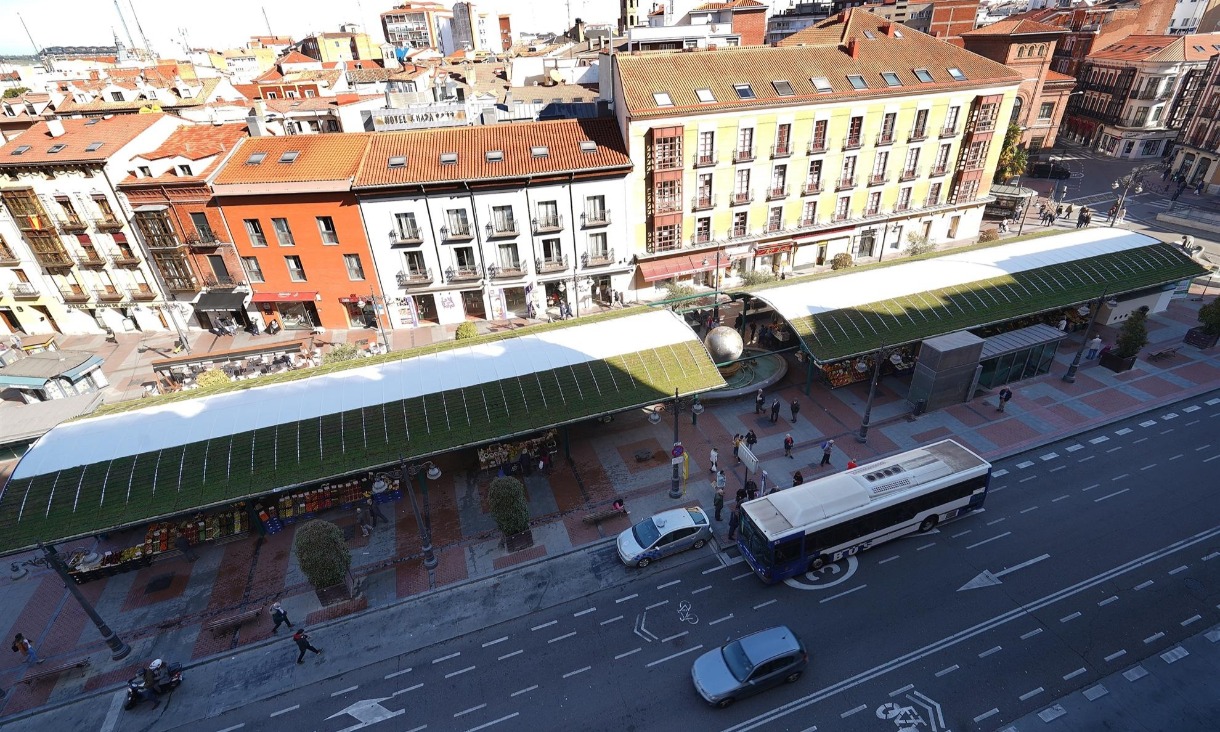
x=665, y=533
x=749, y=665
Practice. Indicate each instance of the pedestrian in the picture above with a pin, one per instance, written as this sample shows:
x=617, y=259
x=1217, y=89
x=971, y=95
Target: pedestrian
x=827, y=447
x=788, y=442
x=737, y=448
x=718, y=502
x=734, y=521
x=362, y=520
x=751, y=490
x=851, y=463
x=1188, y=243
x=775, y=410
x=1122, y=216
x=795, y=406
x=759, y=402
x=753, y=333
x=1005, y=395
x=713, y=457
x=1199, y=187
x=1059, y=211
x=762, y=488
x=1094, y=348
x=375, y=511
x=742, y=495
x=1080, y=217
x=183, y=545
x=1068, y=211
x=797, y=478
x=279, y=617
x=301, y=638
x=1063, y=324
x=751, y=440
x=22, y=645
x=1003, y=226
x=1088, y=218
x=720, y=481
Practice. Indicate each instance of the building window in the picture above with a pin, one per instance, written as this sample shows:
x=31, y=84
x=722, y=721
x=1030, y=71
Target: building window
x=741, y=186
x=283, y=234
x=156, y=230
x=667, y=152
x=707, y=149
x=203, y=226
x=502, y=220
x=783, y=139
x=740, y=220
x=703, y=230
x=888, y=122
x=414, y=264
x=809, y=215
x=775, y=218
x=459, y=225
x=854, y=128
x=599, y=246
x=667, y=237
x=254, y=273
x=595, y=209
x=667, y=196
x=933, y=194
x=951, y=121
x=1046, y=111
x=355, y=270
x=745, y=144
x=464, y=257
x=254, y=229
x=842, y=208
x=976, y=155
x=818, y=142
x=326, y=227
x=865, y=243
x=920, y=129
x=296, y=272
x=874, y=203
x=904, y=199
x=405, y=227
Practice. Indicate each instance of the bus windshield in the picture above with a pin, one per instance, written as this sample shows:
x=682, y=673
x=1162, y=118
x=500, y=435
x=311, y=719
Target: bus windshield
x=754, y=541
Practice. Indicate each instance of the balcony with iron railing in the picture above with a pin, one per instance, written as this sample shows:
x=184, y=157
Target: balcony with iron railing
x=878, y=179
x=595, y=217
x=74, y=293
x=903, y=205
x=701, y=202
x=54, y=258
x=72, y=224
x=740, y=197
x=853, y=142
x=812, y=187
x=781, y=150
x=214, y=280
x=108, y=224
x=839, y=217
x=202, y=240
x=872, y=210
x=7, y=257
x=885, y=138
x=948, y=131
x=142, y=292
x=551, y=264
x=412, y=277
x=545, y=224
x=938, y=170
x=931, y=202
x=847, y=181
x=501, y=227
x=704, y=160
x=458, y=232
x=23, y=291
x=597, y=259
x=775, y=192
x=808, y=221
x=774, y=226
x=815, y=146
x=698, y=238
x=743, y=154
x=108, y=293
x=1153, y=96
x=406, y=235
x=125, y=258
x=918, y=133
x=909, y=174
x=457, y=274
x=90, y=258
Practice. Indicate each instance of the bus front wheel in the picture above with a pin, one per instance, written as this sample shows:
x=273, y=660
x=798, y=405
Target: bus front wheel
x=817, y=563
x=928, y=524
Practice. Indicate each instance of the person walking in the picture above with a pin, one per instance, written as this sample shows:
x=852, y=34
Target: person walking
x=22, y=645
x=1188, y=243
x=183, y=545
x=720, y=481
x=759, y=402
x=797, y=479
x=763, y=484
x=734, y=521
x=374, y=511
x=737, y=448
x=1094, y=348
x=775, y=410
x=718, y=502
x=751, y=490
x=279, y=616
x=301, y=638
x=751, y=440
x=1005, y=395
x=1059, y=211
x=827, y=447
x=362, y=520
x=795, y=407
x=851, y=463
x=788, y=442
x=713, y=458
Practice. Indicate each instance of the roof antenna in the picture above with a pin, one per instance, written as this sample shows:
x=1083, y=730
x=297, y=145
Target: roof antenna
x=147, y=46
x=130, y=41
x=267, y=21
x=46, y=60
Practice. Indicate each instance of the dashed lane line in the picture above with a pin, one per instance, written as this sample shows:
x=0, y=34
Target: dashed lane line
x=1086, y=458
x=841, y=594
x=1178, y=570
x=1144, y=585
x=1113, y=449
x=889, y=559
x=985, y=715
x=611, y=620
x=1031, y=694
x=1074, y=448
x=628, y=597
x=485, y=725
x=446, y=658
x=705, y=588
x=1026, y=480
x=1031, y=634
x=1154, y=638
x=584, y=612
x=1147, y=423
x=1107, y=601
x=468, y=711
x=285, y=710
x=721, y=620
x=1074, y=674
x=1111, y=495
x=996, y=521
x=1149, y=466
x=408, y=689
x=760, y=606
x=984, y=541
x=673, y=656
x=1099, y=440
x=903, y=690
x=741, y=576
x=570, y=674
x=341, y=692
x=961, y=534
x=989, y=651
x=565, y=636
x=1191, y=619
x=946, y=671
x=1048, y=456
x=669, y=584
x=526, y=690
x=497, y=640
x=675, y=636
x=1031, y=508
x=1025, y=464
x=656, y=605
x=510, y=655
x=405, y=671
x=1128, y=430
x=451, y=674
x=621, y=656
x=1095, y=485
x=1116, y=654
x=545, y=625
x=999, y=473
x=1120, y=476
x=1066, y=618
x=850, y=712
x=925, y=546
x=1060, y=498
x=1057, y=468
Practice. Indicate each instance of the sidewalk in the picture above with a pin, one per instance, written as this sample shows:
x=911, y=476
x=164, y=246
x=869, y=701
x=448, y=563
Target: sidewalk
x=161, y=610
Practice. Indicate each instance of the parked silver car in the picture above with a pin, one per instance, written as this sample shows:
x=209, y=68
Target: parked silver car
x=665, y=533
x=749, y=665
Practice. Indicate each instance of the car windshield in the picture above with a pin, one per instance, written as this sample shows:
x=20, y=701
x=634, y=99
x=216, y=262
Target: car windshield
x=697, y=516
x=736, y=660
x=645, y=533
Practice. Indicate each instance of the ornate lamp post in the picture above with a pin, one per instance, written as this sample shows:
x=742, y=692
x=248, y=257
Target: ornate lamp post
x=408, y=473
x=880, y=353
x=118, y=649
x=678, y=451
x=1070, y=376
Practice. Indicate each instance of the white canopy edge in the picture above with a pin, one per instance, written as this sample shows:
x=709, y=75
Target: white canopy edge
x=114, y=436
x=794, y=302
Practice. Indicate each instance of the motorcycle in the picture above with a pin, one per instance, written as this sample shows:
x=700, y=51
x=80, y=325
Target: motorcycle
x=136, y=687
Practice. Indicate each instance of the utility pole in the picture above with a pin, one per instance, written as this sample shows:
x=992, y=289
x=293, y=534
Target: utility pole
x=147, y=45
x=118, y=9
x=267, y=21
x=37, y=51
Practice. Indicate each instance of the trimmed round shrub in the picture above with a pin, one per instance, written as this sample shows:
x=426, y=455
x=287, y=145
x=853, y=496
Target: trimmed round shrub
x=506, y=499
x=341, y=352
x=841, y=261
x=212, y=378
x=466, y=331
x=322, y=553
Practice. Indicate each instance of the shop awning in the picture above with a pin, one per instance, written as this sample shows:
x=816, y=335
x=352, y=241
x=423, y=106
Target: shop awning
x=663, y=269
x=7, y=380
x=76, y=371
x=285, y=296
x=220, y=302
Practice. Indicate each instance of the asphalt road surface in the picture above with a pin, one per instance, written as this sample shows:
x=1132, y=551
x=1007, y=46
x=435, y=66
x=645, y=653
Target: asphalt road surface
x=1091, y=554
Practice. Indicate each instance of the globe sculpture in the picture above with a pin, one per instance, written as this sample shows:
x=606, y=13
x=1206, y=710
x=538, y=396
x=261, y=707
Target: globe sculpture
x=724, y=344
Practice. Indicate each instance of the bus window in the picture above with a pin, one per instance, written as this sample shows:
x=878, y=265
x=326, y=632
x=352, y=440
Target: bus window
x=788, y=551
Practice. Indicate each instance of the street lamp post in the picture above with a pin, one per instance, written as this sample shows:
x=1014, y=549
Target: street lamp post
x=1134, y=179
x=1070, y=376
x=118, y=649
x=407, y=474
x=373, y=300
x=716, y=296
x=862, y=436
x=696, y=408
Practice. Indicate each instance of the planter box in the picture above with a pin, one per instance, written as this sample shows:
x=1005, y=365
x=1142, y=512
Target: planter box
x=1199, y=338
x=517, y=542
x=1116, y=363
x=336, y=594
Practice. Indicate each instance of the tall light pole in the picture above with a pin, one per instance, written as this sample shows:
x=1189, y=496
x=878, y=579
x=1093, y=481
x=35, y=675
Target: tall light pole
x=862, y=435
x=118, y=649
x=1070, y=376
x=678, y=452
x=407, y=474
x=1134, y=179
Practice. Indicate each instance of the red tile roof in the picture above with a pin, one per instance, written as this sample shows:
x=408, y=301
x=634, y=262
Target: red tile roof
x=1195, y=47
x=1014, y=27
x=195, y=142
x=295, y=57
x=79, y=134
x=320, y=158
x=423, y=149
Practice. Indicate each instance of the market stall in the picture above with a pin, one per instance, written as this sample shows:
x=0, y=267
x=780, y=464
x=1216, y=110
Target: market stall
x=519, y=457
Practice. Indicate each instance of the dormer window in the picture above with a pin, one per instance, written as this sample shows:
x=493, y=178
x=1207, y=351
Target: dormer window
x=289, y=157
x=891, y=79
x=662, y=99
x=705, y=96
x=540, y=151
x=588, y=146
x=256, y=159
x=145, y=171
x=449, y=158
x=185, y=170
x=923, y=75
x=744, y=91
x=857, y=81
x=55, y=148
x=494, y=156
x=94, y=146
x=783, y=88
x=398, y=161
x=956, y=73
x=822, y=84
x=20, y=150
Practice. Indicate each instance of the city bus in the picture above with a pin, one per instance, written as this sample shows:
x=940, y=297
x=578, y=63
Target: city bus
x=802, y=528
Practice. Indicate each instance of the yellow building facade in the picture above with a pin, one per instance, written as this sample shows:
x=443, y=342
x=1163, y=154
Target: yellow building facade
x=862, y=137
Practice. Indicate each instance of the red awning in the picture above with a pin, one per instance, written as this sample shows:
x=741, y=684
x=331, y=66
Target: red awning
x=663, y=269
x=284, y=297
x=763, y=251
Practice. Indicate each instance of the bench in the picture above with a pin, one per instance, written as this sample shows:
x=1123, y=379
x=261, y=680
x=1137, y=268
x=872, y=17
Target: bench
x=597, y=517
x=39, y=674
x=1164, y=353
x=219, y=625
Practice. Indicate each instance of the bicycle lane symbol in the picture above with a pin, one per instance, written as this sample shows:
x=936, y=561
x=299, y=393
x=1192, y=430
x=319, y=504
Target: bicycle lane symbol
x=907, y=718
x=828, y=576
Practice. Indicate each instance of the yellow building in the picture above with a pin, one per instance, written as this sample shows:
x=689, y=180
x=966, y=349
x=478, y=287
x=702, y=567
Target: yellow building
x=349, y=44
x=244, y=64
x=854, y=136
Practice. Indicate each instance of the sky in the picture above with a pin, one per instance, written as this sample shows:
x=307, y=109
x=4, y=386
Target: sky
x=229, y=23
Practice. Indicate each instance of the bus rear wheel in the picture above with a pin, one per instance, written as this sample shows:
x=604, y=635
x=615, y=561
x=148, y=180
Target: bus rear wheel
x=817, y=563
x=928, y=524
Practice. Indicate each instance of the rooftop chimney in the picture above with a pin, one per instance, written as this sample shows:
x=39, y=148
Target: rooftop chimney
x=55, y=126
x=853, y=48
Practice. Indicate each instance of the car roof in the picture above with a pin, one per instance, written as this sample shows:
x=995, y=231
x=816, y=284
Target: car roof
x=769, y=643
x=676, y=518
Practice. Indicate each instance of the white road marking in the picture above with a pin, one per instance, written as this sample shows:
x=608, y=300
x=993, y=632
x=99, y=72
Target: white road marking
x=1202, y=447
x=715, y=569
x=485, y=725
x=1086, y=458
x=1191, y=619
x=628, y=653
x=1057, y=468
x=850, y=712
x=1117, y=654
x=1066, y=618
x=999, y=473
x=1174, y=654
x=1074, y=674
x=400, y=673
x=1074, y=448
x=1142, y=585
x=1099, y=440
x=1110, y=495
x=675, y=636
x=1025, y=464
x=848, y=592
x=116, y=708
x=446, y=658
x=889, y=559
x=1179, y=570
x=404, y=691
x=226, y=729
x=656, y=604
x=1150, y=466
x=1031, y=508
x=1171, y=415
x=1108, y=600
x=611, y=620
x=1147, y=423
x=468, y=711
x=1031, y=634
x=985, y=715
x=285, y=710
x=526, y=690
x=1093, y=693
x=1142, y=439
x=990, y=523
x=586, y=612
x=1049, y=456
x=1175, y=457
x=721, y=620
x=1060, y=498
x=672, y=657
x=1120, y=476
x=1211, y=556
x=705, y=588
x=545, y=625
x=925, y=546
x=669, y=584
x=451, y=674
x=961, y=533
x=344, y=691
x=1191, y=422
x=1095, y=485
x=510, y=655
x=990, y=651
x=1030, y=694
x=762, y=605
x=570, y=674
x=747, y=574
x=1026, y=480
x=945, y=671
x=628, y=597
x=1113, y=449
x=1154, y=638
x=561, y=637
x=1213, y=457
x=1135, y=674
x=497, y=640
x=903, y=690
x=1128, y=430
x=984, y=541
x=1192, y=408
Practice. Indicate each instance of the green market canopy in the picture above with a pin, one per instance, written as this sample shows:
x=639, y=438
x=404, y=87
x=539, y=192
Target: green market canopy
x=126, y=468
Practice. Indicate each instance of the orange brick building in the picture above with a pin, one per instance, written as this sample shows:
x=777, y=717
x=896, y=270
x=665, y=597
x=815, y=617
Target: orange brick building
x=287, y=202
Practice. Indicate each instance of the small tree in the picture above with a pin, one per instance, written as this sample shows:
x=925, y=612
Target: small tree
x=466, y=331
x=506, y=499
x=841, y=261
x=15, y=92
x=1133, y=335
x=322, y=553
x=1209, y=316
x=212, y=378
x=677, y=289
x=757, y=277
x=919, y=244
x=1013, y=158
x=341, y=352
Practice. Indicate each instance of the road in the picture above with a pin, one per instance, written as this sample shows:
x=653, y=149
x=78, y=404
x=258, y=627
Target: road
x=1092, y=555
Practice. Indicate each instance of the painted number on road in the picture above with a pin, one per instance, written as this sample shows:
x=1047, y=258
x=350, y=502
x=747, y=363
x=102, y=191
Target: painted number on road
x=829, y=575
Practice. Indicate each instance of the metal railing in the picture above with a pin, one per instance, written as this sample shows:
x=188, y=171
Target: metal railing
x=548, y=223
x=414, y=277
